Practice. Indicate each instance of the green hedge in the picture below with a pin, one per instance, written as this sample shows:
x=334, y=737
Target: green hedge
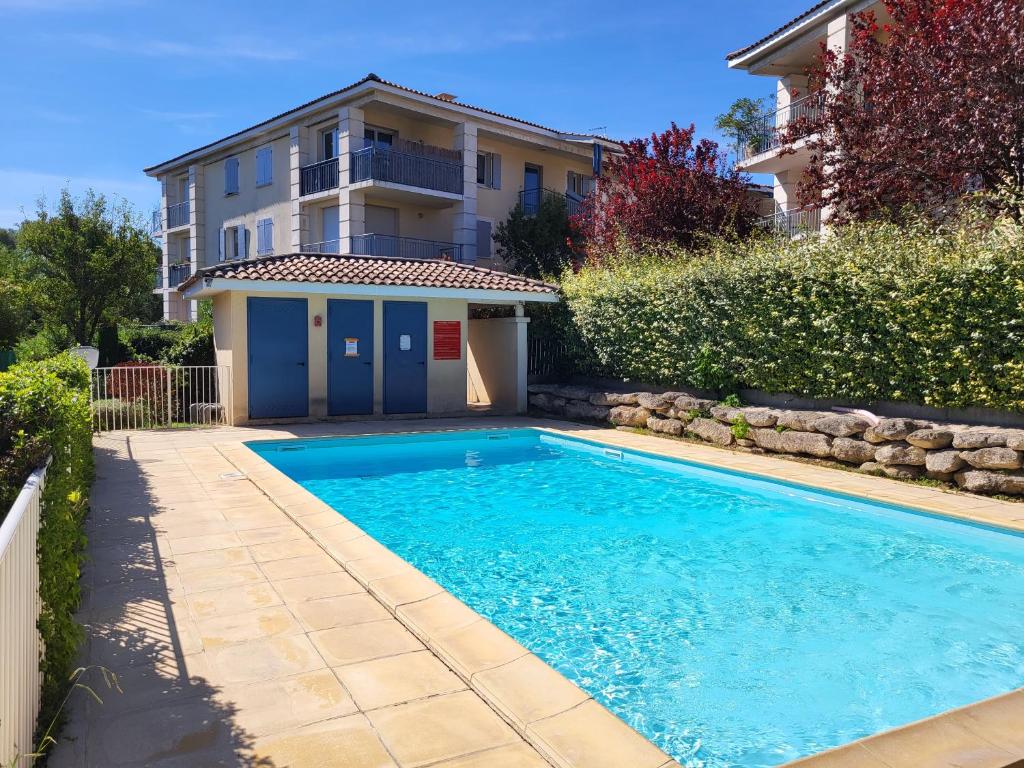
x=44, y=410
x=875, y=312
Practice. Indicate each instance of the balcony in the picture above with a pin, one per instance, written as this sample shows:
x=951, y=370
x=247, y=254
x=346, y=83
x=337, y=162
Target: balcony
x=390, y=246
x=318, y=177
x=530, y=200
x=428, y=168
x=176, y=275
x=769, y=131
x=156, y=224
x=177, y=215
x=795, y=223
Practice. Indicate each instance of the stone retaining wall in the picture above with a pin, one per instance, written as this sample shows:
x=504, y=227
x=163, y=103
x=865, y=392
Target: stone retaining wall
x=977, y=459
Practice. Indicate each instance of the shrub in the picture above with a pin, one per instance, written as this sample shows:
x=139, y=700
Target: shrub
x=147, y=343
x=108, y=413
x=194, y=346
x=44, y=410
x=873, y=312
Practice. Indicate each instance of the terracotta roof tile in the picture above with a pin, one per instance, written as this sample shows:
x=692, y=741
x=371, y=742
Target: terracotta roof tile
x=370, y=270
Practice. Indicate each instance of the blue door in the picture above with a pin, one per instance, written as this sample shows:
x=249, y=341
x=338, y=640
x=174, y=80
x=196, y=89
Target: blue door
x=278, y=357
x=349, y=357
x=405, y=357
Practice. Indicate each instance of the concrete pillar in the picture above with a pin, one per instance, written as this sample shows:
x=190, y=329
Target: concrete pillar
x=164, y=249
x=838, y=40
x=785, y=87
x=522, y=365
x=464, y=211
x=298, y=156
x=196, y=226
x=351, y=205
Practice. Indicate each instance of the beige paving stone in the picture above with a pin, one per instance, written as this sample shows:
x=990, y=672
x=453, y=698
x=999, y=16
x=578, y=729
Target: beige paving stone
x=250, y=518
x=589, y=735
x=437, y=615
x=341, y=611
x=274, y=533
x=404, y=588
x=519, y=755
x=362, y=642
x=217, y=578
x=377, y=567
x=283, y=550
x=941, y=741
x=527, y=689
x=440, y=728
x=320, y=745
x=231, y=600
x=999, y=720
x=848, y=756
x=321, y=521
x=290, y=702
x=293, y=567
x=476, y=647
x=317, y=587
x=398, y=679
x=211, y=558
x=199, y=543
x=249, y=625
x=264, y=659
x=339, y=533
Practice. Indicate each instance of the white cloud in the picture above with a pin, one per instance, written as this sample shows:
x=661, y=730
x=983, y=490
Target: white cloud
x=225, y=48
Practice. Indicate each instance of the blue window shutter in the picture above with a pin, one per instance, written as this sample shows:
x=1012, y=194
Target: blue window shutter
x=496, y=171
x=268, y=227
x=240, y=242
x=220, y=249
x=231, y=176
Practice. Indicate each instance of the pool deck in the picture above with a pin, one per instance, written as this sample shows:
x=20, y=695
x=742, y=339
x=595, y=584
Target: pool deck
x=250, y=624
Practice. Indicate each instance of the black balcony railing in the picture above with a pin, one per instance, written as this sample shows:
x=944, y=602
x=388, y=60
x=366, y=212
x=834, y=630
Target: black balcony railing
x=410, y=169
x=390, y=246
x=805, y=221
x=319, y=177
x=530, y=200
x=177, y=215
x=769, y=132
x=325, y=246
x=175, y=275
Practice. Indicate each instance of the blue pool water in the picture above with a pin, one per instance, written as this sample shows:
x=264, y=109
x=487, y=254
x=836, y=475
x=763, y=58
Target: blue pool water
x=733, y=621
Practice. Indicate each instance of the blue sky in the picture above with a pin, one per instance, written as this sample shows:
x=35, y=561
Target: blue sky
x=95, y=90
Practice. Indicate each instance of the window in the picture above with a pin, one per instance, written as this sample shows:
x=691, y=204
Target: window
x=234, y=243
x=579, y=184
x=329, y=144
x=488, y=169
x=264, y=237
x=231, y=176
x=379, y=137
x=264, y=165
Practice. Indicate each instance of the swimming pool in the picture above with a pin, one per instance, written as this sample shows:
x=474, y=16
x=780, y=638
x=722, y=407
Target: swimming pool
x=732, y=620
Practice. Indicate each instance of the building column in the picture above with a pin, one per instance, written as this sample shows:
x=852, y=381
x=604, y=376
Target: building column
x=164, y=250
x=298, y=156
x=522, y=358
x=464, y=211
x=351, y=206
x=837, y=40
x=196, y=226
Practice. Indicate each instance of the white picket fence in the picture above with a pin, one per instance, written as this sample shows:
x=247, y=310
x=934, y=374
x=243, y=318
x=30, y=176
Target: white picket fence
x=155, y=396
x=20, y=644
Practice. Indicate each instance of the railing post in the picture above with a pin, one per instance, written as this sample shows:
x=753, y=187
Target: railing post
x=168, y=369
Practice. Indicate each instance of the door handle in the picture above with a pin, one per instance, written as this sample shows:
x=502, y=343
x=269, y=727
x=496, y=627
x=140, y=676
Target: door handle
x=301, y=365
x=367, y=362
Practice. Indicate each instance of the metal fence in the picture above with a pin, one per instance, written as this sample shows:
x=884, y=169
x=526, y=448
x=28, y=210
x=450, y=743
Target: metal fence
x=318, y=177
x=406, y=168
x=21, y=647
x=530, y=200
x=177, y=215
x=769, y=131
x=804, y=221
x=404, y=247
x=155, y=396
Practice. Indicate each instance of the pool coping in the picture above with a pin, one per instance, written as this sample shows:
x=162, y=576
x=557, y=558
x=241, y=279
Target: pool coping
x=562, y=722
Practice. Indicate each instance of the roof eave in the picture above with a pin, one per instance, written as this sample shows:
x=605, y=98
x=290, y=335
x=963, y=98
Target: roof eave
x=744, y=58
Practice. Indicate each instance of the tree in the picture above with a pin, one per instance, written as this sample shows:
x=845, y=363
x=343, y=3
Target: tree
x=91, y=264
x=741, y=120
x=667, y=188
x=921, y=110
x=538, y=245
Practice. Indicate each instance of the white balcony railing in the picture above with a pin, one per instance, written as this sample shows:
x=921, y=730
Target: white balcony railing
x=177, y=215
x=20, y=644
x=804, y=221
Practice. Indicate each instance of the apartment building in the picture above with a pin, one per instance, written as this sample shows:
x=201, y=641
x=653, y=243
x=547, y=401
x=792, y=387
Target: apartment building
x=788, y=54
x=373, y=169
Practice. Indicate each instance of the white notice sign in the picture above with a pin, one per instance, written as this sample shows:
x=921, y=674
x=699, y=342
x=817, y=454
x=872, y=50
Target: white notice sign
x=351, y=347
x=405, y=342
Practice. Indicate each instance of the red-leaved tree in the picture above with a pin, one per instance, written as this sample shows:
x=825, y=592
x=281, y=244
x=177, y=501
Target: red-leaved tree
x=669, y=189
x=921, y=110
